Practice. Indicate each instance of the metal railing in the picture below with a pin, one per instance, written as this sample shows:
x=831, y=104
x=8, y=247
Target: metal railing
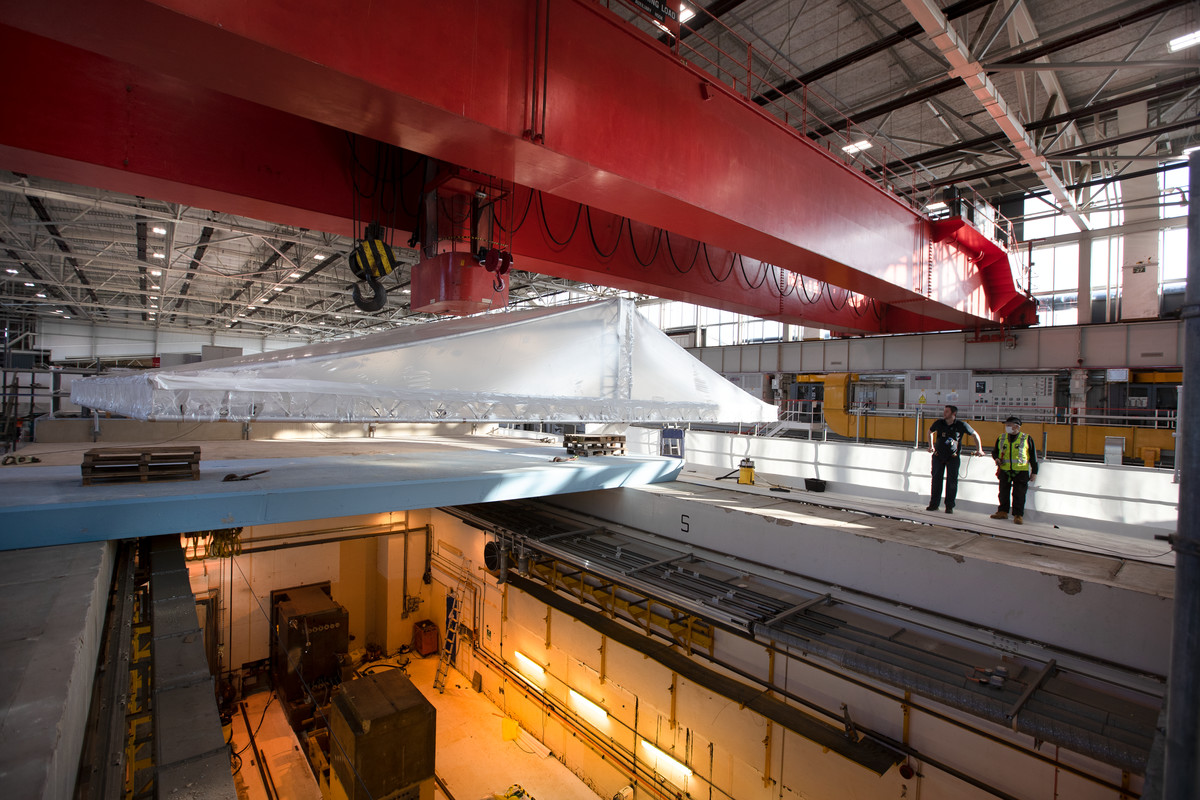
x=1156, y=418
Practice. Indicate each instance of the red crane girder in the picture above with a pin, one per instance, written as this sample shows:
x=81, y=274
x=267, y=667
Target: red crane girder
x=563, y=98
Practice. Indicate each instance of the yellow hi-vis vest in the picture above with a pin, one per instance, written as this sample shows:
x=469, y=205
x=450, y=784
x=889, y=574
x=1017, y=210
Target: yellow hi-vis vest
x=1014, y=454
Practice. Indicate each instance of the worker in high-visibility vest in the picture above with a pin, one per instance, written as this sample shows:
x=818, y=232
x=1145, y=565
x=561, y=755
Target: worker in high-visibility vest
x=1016, y=466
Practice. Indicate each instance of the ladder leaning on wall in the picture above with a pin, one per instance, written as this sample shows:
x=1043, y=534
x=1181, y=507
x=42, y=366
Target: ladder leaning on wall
x=453, y=613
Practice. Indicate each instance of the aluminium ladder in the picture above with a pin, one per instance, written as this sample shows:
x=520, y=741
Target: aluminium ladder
x=453, y=613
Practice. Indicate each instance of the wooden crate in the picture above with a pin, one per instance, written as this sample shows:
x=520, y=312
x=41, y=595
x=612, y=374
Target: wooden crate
x=140, y=464
x=587, y=444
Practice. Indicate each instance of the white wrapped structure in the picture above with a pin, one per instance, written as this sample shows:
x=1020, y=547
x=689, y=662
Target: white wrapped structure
x=594, y=362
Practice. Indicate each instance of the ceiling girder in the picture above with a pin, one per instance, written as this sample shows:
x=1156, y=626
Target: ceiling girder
x=963, y=67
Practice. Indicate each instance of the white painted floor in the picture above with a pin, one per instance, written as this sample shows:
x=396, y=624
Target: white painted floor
x=473, y=760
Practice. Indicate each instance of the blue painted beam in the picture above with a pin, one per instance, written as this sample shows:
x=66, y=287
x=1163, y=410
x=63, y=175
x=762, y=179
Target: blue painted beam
x=42, y=506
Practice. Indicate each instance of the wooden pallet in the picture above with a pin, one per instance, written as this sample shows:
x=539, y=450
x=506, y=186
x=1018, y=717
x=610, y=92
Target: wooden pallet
x=141, y=464
x=587, y=444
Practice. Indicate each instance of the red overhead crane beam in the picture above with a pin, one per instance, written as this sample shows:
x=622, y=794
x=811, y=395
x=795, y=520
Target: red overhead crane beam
x=623, y=127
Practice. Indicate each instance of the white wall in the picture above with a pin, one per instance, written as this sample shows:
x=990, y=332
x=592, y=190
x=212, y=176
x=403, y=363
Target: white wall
x=68, y=340
x=1132, y=501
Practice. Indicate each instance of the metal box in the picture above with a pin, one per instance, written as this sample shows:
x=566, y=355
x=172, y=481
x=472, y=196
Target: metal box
x=310, y=638
x=383, y=737
x=454, y=283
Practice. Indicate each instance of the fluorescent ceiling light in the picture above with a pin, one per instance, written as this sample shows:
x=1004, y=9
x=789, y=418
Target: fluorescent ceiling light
x=159, y=229
x=685, y=13
x=65, y=317
x=41, y=295
x=154, y=305
x=531, y=668
x=674, y=770
x=155, y=286
x=30, y=285
x=857, y=147
x=1183, y=42
x=251, y=307
x=319, y=256
x=159, y=255
x=938, y=206
x=11, y=271
x=58, y=311
x=156, y=272
x=294, y=275
x=153, y=297
x=591, y=711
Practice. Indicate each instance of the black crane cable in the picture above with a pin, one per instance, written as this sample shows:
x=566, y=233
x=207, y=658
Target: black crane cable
x=783, y=286
x=671, y=253
x=761, y=281
x=592, y=235
x=517, y=227
x=546, y=224
x=710, y=269
x=633, y=246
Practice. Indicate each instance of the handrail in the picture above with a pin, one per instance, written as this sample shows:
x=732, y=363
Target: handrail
x=1063, y=415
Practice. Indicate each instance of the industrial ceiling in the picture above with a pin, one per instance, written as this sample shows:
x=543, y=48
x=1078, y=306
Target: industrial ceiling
x=1005, y=98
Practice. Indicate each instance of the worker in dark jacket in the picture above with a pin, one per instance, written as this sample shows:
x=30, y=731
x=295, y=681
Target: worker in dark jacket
x=1016, y=466
x=945, y=443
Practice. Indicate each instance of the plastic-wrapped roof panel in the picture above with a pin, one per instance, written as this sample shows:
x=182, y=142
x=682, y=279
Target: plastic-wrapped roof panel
x=593, y=362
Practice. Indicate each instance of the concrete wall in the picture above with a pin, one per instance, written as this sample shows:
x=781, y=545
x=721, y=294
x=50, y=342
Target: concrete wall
x=361, y=573
x=731, y=750
x=1138, y=344
x=54, y=602
x=1132, y=501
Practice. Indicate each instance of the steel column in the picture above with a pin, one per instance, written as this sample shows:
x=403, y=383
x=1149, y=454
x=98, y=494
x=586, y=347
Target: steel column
x=1181, y=774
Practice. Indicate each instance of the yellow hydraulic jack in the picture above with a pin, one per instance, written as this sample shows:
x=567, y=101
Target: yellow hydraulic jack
x=746, y=472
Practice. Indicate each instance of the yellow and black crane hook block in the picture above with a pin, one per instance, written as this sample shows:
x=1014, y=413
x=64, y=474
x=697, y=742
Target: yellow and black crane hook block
x=371, y=261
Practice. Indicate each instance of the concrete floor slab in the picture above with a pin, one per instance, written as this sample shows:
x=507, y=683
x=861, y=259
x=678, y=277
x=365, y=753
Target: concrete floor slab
x=46, y=505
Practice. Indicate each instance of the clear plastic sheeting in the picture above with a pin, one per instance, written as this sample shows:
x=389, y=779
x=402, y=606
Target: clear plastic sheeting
x=594, y=362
